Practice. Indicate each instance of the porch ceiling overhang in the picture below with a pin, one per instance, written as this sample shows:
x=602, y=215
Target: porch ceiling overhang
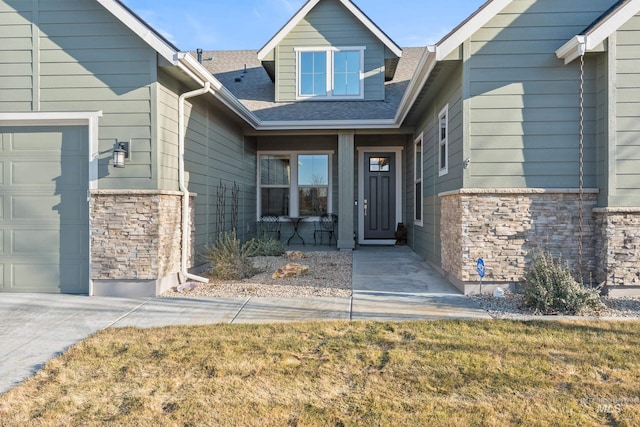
x=592, y=37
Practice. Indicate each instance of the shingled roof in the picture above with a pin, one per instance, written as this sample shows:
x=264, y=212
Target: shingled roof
x=253, y=87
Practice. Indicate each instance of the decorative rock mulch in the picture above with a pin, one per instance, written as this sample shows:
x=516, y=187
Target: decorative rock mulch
x=329, y=275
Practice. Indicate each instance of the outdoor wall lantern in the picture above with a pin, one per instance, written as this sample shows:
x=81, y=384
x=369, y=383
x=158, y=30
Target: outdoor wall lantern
x=120, y=153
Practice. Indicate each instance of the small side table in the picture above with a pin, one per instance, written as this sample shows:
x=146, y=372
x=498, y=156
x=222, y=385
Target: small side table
x=295, y=221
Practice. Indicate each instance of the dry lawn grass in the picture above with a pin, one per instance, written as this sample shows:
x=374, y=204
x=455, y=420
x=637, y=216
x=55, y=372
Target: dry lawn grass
x=450, y=373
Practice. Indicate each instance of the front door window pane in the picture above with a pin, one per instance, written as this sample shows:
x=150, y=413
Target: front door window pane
x=379, y=164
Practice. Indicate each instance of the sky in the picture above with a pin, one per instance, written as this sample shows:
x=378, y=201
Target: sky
x=250, y=24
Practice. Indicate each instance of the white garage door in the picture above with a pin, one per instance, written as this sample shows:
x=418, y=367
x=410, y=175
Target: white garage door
x=44, y=214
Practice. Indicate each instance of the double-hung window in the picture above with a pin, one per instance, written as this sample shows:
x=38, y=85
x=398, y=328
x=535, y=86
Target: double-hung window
x=330, y=73
x=294, y=184
x=417, y=168
x=443, y=141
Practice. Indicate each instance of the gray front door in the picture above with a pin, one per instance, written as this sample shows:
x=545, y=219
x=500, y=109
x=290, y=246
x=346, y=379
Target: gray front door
x=44, y=214
x=379, y=196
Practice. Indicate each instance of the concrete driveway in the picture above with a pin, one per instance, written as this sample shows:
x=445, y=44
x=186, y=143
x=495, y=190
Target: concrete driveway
x=388, y=284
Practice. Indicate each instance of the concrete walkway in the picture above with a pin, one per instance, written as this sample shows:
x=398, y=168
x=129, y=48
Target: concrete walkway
x=389, y=284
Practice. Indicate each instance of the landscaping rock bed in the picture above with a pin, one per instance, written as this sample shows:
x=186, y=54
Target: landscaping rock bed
x=329, y=275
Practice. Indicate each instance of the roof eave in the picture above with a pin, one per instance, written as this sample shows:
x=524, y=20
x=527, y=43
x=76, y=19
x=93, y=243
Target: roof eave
x=201, y=75
x=327, y=125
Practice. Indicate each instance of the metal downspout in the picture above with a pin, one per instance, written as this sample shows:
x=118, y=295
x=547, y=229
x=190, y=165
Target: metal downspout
x=186, y=230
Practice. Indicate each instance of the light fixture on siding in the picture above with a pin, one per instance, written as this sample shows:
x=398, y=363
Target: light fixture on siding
x=120, y=153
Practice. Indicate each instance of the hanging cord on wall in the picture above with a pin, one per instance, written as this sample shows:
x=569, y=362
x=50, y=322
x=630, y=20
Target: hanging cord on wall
x=581, y=172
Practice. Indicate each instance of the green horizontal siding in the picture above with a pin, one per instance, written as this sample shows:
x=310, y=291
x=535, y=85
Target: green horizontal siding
x=426, y=241
x=627, y=156
x=215, y=152
x=524, y=102
x=73, y=55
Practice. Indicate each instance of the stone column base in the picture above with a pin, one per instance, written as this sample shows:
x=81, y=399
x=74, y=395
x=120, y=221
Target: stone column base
x=136, y=241
x=618, y=250
x=503, y=225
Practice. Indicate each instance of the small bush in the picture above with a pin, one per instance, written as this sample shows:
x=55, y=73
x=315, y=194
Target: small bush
x=230, y=259
x=549, y=288
x=264, y=246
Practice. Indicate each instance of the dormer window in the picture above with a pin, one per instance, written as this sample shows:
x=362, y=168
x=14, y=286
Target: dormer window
x=330, y=73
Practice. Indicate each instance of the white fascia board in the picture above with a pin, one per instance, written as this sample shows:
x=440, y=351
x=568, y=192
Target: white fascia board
x=474, y=23
x=444, y=48
x=610, y=25
x=293, y=22
x=417, y=82
x=582, y=44
x=142, y=30
x=373, y=28
x=328, y=125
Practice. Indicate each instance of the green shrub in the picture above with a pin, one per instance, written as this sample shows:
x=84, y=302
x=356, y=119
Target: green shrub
x=264, y=246
x=230, y=259
x=550, y=288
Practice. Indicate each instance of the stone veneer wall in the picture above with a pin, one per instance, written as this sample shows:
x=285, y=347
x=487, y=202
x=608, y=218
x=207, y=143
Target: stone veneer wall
x=504, y=225
x=136, y=234
x=618, y=246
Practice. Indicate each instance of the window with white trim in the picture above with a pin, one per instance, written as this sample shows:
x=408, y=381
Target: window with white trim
x=330, y=73
x=294, y=184
x=417, y=179
x=443, y=141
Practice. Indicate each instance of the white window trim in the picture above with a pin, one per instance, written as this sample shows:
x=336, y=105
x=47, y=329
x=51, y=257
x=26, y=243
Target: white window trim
x=443, y=142
x=330, y=50
x=294, y=205
x=416, y=168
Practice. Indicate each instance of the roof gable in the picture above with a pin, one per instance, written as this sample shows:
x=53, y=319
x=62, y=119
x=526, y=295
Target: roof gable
x=601, y=29
x=304, y=11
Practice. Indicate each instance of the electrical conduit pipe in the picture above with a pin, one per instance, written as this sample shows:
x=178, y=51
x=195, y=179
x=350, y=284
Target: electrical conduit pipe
x=186, y=230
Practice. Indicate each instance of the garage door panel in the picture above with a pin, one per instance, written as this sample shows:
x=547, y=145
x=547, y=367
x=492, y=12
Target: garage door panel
x=49, y=277
x=44, y=214
x=47, y=174
x=34, y=242
x=54, y=139
x=35, y=277
x=57, y=208
x=70, y=243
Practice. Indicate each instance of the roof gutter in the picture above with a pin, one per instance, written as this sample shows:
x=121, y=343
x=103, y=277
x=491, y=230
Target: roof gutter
x=574, y=48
